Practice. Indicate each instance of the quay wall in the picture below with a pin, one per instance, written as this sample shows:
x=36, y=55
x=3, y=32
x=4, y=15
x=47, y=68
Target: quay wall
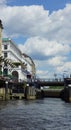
x=54, y=93
x=66, y=94
x=16, y=91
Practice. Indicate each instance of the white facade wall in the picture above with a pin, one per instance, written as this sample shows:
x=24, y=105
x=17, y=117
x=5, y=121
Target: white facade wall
x=28, y=63
x=21, y=75
x=15, y=52
x=29, y=68
x=15, y=55
x=12, y=50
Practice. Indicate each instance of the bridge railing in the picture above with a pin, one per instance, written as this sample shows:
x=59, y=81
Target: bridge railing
x=50, y=80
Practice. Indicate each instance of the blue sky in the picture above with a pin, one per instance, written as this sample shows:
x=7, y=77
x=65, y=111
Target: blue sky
x=51, y=5
x=42, y=29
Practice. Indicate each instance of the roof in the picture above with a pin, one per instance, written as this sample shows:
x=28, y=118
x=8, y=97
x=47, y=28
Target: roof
x=10, y=41
x=5, y=39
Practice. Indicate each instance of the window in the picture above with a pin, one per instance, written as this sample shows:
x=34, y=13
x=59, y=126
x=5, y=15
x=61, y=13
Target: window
x=5, y=47
x=5, y=64
x=5, y=55
x=5, y=72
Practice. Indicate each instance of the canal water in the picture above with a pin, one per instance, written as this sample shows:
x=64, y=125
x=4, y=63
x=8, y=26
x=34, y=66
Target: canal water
x=46, y=114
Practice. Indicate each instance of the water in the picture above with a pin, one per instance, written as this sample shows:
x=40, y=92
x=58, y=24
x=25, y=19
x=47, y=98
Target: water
x=47, y=114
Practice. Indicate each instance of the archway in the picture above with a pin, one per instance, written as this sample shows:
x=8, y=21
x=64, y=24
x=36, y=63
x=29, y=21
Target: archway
x=15, y=76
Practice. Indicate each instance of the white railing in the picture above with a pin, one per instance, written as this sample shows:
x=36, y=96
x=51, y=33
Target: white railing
x=49, y=80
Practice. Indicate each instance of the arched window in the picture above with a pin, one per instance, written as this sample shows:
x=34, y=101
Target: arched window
x=15, y=76
x=5, y=72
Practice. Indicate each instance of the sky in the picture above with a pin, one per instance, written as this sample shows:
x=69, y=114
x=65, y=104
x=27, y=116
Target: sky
x=42, y=30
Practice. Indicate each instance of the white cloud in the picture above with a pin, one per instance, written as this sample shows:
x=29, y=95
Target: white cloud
x=22, y=20
x=43, y=74
x=60, y=25
x=48, y=35
x=57, y=61
x=65, y=68
x=38, y=47
x=3, y=2
x=35, y=21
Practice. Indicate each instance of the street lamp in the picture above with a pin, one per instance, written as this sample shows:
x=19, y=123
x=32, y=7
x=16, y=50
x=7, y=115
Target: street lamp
x=55, y=75
x=6, y=90
x=65, y=74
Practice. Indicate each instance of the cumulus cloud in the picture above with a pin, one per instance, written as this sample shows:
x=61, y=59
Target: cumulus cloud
x=43, y=73
x=25, y=20
x=35, y=21
x=48, y=35
x=38, y=46
x=65, y=68
x=3, y=2
x=60, y=28
x=57, y=61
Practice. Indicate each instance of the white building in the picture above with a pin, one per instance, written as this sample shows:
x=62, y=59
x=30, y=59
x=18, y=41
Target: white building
x=22, y=66
x=30, y=65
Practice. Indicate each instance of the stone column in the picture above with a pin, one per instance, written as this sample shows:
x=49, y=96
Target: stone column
x=70, y=93
x=6, y=90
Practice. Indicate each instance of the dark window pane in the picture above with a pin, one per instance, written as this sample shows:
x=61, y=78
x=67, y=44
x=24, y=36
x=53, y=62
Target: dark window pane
x=5, y=47
x=5, y=72
x=5, y=54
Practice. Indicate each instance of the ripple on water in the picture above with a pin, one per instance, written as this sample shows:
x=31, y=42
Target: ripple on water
x=47, y=114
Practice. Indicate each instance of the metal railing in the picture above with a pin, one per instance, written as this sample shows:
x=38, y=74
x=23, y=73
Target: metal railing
x=49, y=80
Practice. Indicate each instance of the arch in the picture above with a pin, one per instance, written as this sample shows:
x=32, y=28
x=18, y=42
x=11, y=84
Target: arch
x=5, y=71
x=15, y=76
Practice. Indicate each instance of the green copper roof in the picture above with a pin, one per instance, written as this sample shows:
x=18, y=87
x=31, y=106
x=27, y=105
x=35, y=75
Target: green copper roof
x=5, y=39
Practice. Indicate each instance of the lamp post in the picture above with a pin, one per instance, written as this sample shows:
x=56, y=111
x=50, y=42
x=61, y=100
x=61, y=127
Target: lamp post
x=55, y=75
x=65, y=74
x=6, y=90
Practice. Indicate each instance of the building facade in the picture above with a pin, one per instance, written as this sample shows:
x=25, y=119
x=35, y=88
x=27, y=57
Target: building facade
x=22, y=67
x=1, y=27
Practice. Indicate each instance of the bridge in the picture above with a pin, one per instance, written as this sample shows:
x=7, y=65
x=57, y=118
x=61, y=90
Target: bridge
x=50, y=82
